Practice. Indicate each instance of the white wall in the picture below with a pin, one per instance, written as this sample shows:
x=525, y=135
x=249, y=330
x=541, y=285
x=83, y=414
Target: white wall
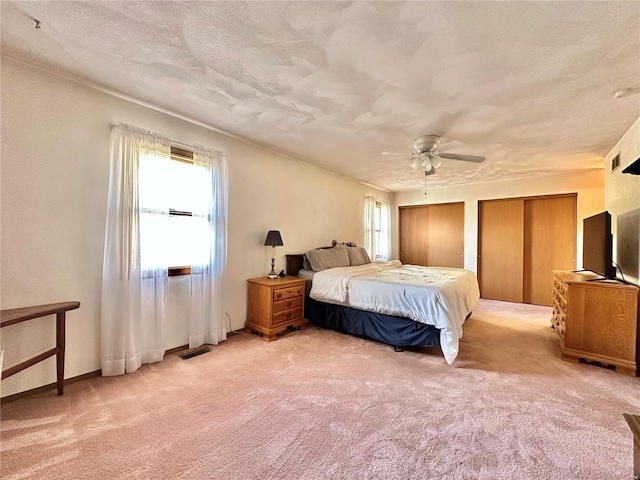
x=622, y=200
x=589, y=185
x=54, y=181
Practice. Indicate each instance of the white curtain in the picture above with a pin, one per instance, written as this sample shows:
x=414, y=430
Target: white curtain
x=370, y=226
x=384, y=236
x=133, y=300
x=208, y=309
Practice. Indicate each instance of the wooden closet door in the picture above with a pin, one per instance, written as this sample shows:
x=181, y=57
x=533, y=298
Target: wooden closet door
x=500, y=247
x=549, y=244
x=414, y=227
x=432, y=235
x=446, y=235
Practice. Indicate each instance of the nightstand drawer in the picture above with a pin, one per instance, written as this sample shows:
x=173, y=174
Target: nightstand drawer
x=284, y=293
x=286, y=315
x=287, y=304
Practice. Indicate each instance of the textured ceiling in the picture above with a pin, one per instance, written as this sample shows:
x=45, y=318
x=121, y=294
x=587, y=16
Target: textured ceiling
x=529, y=85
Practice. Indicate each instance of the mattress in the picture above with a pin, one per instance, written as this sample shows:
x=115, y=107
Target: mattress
x=442, y=297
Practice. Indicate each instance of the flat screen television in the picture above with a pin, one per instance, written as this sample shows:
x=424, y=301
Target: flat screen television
x=597, y=246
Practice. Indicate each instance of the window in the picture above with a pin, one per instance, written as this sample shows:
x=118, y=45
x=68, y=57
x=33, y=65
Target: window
x=174, y=198
x=378, y=230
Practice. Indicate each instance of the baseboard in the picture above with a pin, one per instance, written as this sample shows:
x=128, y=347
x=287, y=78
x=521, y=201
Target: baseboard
x=51, y=386
x=67, y=381
x=176, y=349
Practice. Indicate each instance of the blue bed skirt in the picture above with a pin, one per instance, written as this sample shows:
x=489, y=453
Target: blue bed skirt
x=395, y=331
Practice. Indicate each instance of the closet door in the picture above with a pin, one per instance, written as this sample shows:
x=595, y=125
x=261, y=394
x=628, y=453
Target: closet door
x=432, y=235
x=446, y=235
x=500, y=249
x=549, y=244
x=414, y=227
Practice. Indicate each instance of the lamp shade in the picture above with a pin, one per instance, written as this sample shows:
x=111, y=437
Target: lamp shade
x=273, y=239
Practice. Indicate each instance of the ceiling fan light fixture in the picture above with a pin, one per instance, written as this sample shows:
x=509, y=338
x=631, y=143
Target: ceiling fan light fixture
x=428, y=155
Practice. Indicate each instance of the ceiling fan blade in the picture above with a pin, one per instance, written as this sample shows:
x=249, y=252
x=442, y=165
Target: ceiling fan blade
x=450, y=145
x=466, y=158
x=397, y=153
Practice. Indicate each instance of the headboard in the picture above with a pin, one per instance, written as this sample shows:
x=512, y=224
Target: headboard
x=295, y=261
x=294, y=264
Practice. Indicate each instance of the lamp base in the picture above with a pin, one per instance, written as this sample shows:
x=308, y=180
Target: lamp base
x=272, y=273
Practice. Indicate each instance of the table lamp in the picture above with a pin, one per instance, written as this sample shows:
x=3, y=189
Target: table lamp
x=273, y=240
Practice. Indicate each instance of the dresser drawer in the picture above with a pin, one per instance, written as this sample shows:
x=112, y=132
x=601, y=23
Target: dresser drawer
x=284, y=293
x=286, y=315
x=281, y=305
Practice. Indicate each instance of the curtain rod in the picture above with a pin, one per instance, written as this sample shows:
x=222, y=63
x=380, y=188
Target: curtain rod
x=190, y=147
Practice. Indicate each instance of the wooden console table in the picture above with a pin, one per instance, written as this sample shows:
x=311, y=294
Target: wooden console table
x=634, y=424
x=17, y=315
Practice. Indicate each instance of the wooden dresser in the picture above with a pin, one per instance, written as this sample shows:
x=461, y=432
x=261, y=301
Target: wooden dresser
x=597, y=321
x=273, y=305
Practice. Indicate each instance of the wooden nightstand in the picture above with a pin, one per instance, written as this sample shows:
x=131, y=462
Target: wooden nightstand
x=273, y=305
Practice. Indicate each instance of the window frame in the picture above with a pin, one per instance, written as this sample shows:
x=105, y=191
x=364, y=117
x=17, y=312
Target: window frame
x=185, y=156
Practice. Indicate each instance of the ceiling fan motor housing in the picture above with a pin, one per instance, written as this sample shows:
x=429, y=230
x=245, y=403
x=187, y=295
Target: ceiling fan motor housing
x=426, y=143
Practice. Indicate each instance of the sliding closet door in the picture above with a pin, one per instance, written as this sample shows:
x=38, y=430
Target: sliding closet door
x=414, y=228
x=446, y=235
x=500, y=249
x=520, y=242
x=432, y=235
x=549, y=244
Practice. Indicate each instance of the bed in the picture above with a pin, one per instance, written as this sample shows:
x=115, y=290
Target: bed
x=400, y=305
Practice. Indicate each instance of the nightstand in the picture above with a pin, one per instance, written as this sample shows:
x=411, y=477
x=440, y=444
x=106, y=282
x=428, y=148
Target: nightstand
x=273, y=305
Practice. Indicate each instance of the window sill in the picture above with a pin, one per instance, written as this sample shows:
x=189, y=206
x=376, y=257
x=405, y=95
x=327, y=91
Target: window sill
x=176, y=271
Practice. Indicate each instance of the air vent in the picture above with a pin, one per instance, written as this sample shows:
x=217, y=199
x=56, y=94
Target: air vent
x=194, y=352
x=615, y=163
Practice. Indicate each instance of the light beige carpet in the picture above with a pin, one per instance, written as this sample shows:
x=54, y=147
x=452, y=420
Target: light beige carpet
x=316, y=404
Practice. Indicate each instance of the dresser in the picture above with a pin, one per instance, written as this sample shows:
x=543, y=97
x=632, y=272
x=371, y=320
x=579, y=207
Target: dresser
x=274, y=305
x=597, y=320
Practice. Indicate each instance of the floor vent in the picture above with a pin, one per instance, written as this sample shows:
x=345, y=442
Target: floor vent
x=194, y=352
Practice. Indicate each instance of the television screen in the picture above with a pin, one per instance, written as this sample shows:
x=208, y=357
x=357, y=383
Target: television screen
x=597, y=246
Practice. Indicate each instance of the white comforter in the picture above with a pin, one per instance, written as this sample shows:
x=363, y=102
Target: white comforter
x=442, y=297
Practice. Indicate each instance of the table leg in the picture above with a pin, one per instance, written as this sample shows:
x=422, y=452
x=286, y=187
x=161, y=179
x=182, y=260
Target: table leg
x=60, y=333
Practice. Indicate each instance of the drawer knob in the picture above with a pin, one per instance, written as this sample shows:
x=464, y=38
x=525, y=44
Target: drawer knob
x=288, y=304
x=299, y=291
x=278, y=295
x=288, y=315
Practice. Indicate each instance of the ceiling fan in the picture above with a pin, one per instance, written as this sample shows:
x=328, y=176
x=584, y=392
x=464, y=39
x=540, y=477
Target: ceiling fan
x=428, y=154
